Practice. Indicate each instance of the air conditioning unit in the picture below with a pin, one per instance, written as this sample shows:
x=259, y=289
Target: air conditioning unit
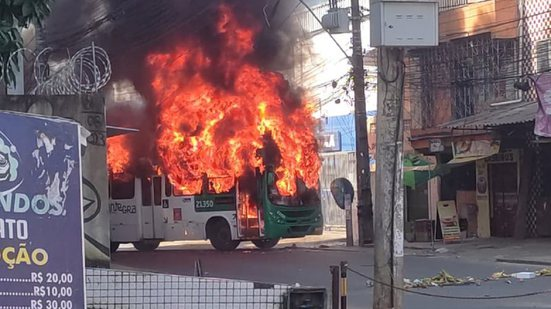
x=336, y=21
x=543, y=55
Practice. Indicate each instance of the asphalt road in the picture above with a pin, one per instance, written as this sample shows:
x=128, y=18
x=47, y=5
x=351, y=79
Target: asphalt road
x=310, y=267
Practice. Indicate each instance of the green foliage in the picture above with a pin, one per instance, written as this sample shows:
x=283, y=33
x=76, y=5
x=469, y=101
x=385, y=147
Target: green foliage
x=15, y=15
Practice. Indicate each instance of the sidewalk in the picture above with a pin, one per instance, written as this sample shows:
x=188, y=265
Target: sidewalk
x=507, y=250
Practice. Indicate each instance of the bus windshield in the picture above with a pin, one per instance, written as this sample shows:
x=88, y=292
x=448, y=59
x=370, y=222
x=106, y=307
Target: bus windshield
x=303, y=197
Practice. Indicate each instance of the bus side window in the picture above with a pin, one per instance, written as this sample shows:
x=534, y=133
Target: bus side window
x=157, y=187
x=122, y=189
x=146, y=192
x=168, y=187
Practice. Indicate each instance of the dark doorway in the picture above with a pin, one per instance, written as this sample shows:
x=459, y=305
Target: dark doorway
x=417, y=202
x=503, y=198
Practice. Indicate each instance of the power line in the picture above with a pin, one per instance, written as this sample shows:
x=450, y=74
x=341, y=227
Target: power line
x=488, y=43
x=488, y=27
x=319, y=21
x=478, y=15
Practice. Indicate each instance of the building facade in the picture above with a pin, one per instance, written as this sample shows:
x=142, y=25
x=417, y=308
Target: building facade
x=471, y=103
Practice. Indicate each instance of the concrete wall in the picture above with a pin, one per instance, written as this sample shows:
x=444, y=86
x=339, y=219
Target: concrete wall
x=90, y=113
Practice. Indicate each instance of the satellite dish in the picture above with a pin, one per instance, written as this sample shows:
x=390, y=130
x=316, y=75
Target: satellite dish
x=340, y=188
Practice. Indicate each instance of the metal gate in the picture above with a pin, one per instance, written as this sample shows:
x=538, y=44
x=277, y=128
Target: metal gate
x=335, y=165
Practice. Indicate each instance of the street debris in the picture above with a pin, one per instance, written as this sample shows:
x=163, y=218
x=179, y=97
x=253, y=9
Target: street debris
x=442, y=279
x=445, y=279
x=544, y=272
x=524, y=275
x=498, y=275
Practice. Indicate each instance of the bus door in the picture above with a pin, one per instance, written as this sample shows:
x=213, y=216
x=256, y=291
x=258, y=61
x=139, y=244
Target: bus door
x=158, y=213
x=248, y=218
x=147, y=209
x=152, y=211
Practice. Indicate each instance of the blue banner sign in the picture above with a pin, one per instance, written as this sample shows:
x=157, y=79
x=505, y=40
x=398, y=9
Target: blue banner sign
x=41, y=227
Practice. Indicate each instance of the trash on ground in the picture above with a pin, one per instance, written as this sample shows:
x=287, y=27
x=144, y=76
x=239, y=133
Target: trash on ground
x=445, y=279
x=499, y=275
x=524, y=275
x=442, y=279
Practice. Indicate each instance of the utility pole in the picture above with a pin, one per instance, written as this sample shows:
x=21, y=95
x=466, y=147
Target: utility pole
x=363, y=186
x=389, y=221
x=390, y=32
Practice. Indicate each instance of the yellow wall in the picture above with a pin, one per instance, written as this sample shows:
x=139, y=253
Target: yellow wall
x=483, y=198
x=500, y=17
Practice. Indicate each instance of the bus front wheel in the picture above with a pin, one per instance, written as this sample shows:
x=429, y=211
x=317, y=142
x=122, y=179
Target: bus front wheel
x=146, y=245
x=219, y=234
x=265, y=243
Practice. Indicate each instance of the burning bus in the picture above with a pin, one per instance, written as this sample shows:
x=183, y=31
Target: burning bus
x=148, y=210
x=233, y=147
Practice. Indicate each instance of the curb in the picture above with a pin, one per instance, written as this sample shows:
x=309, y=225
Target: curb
x=331, y=247
x=418, y=248
x=521, y=261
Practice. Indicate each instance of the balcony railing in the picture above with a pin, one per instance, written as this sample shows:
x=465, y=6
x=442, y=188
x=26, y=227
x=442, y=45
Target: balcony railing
x=445, y=5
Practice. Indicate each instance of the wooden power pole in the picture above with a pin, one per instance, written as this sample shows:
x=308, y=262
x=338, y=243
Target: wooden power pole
x=363, y=187
x=389, y=194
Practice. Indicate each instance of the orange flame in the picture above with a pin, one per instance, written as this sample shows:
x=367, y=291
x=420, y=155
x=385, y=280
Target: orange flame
x=118, y=155
x=206, y=128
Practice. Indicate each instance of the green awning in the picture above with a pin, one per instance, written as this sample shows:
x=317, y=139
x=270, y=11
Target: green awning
x=418, y=171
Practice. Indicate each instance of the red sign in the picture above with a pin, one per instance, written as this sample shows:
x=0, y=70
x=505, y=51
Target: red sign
x=177, y=214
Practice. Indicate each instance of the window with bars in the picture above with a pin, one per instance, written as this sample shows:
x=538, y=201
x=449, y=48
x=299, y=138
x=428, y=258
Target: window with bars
x=464, y=77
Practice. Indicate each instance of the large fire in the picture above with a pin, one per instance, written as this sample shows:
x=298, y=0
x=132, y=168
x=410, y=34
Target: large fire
x=118, y=155
x=219, y=124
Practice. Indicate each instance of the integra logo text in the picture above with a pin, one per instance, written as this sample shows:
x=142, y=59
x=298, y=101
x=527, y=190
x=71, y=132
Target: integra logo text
x=124, y=209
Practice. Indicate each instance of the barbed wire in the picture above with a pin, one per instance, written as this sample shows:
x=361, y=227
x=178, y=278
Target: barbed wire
x=87, y=71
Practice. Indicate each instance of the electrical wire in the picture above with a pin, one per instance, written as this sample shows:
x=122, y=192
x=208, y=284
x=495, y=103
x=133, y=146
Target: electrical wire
x=477, y=15
x=288, y=16
x=321, y=24
x=417, y=79
x=450, y=296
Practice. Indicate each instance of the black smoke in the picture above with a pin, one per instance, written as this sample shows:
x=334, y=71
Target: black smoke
x=130, y=30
